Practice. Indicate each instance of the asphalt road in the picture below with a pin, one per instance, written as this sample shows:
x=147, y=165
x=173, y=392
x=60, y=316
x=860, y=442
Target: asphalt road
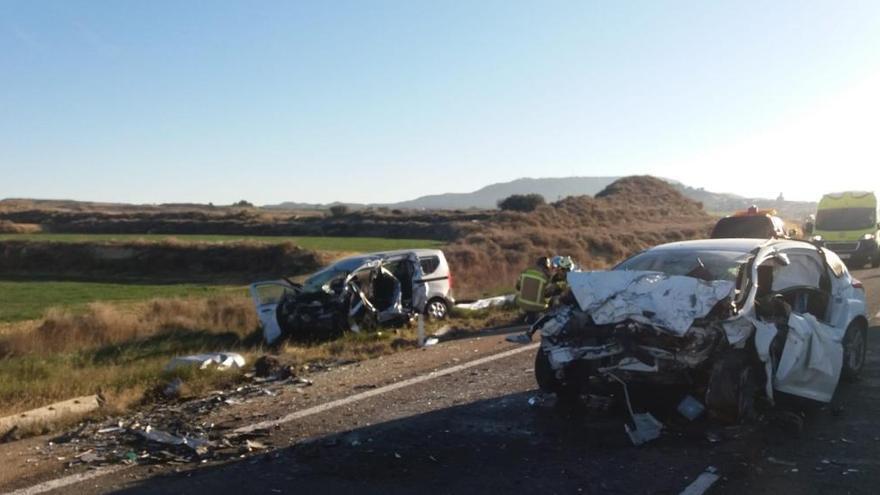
x=475, y=431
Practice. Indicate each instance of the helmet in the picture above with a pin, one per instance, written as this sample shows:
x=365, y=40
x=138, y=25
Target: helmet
x=562, y=262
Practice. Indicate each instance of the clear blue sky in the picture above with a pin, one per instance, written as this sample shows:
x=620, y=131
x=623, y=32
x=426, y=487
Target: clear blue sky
x=154, y=101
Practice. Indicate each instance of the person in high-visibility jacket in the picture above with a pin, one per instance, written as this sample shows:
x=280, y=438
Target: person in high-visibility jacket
x=548, y=280
x=533, y=288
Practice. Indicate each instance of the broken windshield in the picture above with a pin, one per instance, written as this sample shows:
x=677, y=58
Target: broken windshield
x=710, y=265
x=846, y=219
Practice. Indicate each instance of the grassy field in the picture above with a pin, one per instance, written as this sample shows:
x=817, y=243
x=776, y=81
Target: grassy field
x=348, y=244
x=122, y=350
x=29, y=300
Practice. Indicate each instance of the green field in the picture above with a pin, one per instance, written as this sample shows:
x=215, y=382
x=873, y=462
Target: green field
x=351, y=244
x=29, y=300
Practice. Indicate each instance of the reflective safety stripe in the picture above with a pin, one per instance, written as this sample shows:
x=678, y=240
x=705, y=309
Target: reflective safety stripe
x=531, y=291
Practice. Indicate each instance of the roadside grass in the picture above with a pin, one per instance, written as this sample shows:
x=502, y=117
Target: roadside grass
x=28, y=300
x=121, y=350
x=345, y=244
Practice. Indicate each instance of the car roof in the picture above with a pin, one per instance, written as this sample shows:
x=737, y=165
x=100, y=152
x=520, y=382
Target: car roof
x=380, y=254
x=738, y=245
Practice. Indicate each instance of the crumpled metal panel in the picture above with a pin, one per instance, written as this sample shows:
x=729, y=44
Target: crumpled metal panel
x=669, y=302
x=811, y=360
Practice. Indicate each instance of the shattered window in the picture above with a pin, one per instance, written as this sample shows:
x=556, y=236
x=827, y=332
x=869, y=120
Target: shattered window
x=317, y=281
x=717, y=265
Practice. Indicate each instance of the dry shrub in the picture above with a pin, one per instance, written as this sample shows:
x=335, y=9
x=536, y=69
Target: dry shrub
x=630, y=215
x=7, y=227
x=101, y=324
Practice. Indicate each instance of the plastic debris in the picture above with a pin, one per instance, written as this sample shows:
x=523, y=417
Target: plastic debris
x=202, y=361
x=703, y=482
x=519, y=338
x=172, y=390
x=690, y=408
x=487, y=303
x=645, y=427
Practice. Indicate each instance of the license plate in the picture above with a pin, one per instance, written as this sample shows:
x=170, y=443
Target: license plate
x=843, y=256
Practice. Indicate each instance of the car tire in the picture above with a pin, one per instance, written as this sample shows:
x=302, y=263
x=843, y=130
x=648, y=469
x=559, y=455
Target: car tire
x=875, y=260
x=437, y=309
x=733, y=385
x=855, y=346
x=545, y=375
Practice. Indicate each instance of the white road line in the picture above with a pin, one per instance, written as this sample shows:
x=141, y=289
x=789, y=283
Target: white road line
x=381, y=390
x=89, y=475
x=69, y=480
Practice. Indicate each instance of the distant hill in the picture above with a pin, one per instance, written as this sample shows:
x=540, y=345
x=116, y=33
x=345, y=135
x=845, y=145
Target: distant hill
x=556, y=188
x=725, y=203
x=487, y=197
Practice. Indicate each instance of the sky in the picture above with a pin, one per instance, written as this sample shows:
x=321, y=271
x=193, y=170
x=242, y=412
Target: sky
x=383, y=101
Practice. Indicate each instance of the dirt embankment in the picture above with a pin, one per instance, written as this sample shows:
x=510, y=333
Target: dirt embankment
x=168, y=261
x=630, y=215
x=487, y=249
x=230, y=221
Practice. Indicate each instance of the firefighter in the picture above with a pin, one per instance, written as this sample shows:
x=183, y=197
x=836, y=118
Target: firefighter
x=536, y=287
x=533, y=288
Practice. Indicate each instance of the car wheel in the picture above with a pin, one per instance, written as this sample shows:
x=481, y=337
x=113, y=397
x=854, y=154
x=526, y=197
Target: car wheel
x=437, y=309
x=545, y=375
x=730, y=396
x=875, y=261
x=855, y=346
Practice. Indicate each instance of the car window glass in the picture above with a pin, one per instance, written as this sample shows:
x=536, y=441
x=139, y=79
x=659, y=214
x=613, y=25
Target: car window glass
x=835, y=263
x=430, y=264
x=805, y=270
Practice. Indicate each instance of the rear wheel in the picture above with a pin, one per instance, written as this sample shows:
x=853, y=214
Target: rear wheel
x=855, y=346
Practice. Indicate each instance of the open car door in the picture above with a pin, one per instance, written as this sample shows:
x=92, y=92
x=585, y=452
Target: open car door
x=266, y=296
x=419, y=285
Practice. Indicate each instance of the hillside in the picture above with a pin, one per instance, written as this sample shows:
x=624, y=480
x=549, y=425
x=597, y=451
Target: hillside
x=629, y=215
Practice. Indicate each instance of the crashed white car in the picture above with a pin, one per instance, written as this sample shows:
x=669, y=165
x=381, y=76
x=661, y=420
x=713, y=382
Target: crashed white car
x=730, y=319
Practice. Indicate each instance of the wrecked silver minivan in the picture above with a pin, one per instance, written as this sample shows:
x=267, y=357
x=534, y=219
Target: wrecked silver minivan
x=727, y=319
x=355, y=293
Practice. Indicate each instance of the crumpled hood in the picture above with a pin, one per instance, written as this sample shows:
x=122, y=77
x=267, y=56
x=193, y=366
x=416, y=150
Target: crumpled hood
x=670, y=302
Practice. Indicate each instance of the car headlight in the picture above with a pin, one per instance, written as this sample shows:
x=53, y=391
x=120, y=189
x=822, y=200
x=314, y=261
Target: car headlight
x=816, y=238
x=868, y=237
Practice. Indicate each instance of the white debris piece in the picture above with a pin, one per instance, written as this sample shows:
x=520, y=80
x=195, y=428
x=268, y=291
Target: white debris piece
x=671, y=302
x=811, y=360
x=223, y=360
x=703, y=482
x=488, y=303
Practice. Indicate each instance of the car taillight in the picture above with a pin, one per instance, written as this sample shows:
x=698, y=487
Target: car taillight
x=451, y=280
x=857, y=284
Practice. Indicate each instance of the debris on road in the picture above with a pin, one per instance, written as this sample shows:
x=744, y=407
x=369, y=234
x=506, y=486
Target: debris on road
x=690, y=408
x=703, y=482
x=223, y=361
x=645, y=426
x=491, y=302
x=271, y=367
